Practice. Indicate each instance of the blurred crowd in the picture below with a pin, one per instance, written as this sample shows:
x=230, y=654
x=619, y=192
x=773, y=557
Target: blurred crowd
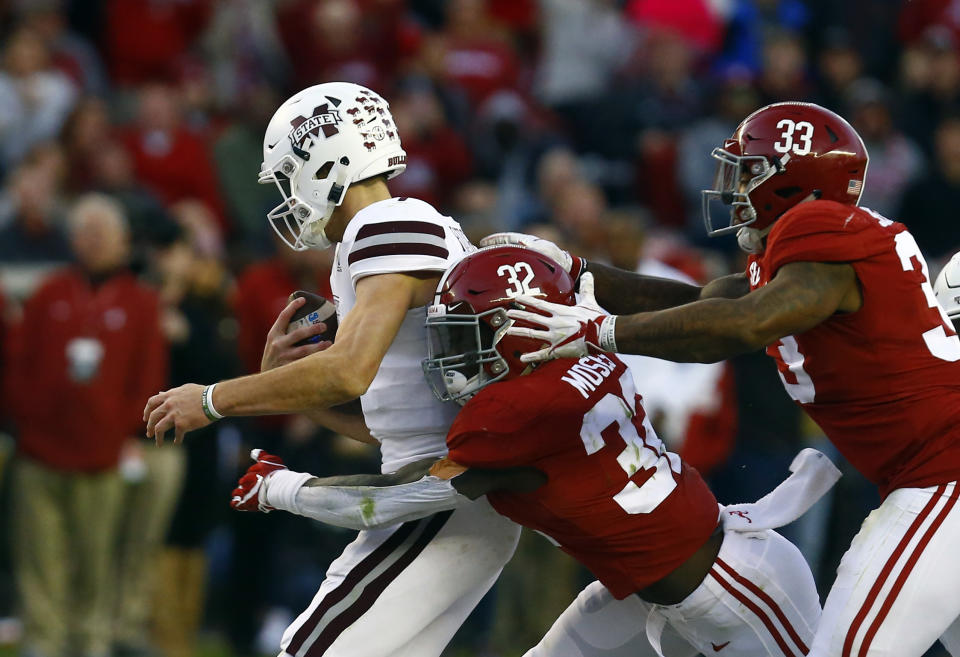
x=135, y=256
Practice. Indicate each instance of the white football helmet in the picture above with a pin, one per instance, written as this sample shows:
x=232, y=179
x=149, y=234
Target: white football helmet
x=947, y=288
x=338, y=125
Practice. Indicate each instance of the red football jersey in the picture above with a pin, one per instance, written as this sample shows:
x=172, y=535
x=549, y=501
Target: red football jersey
x=883, y=382
x=616, y=500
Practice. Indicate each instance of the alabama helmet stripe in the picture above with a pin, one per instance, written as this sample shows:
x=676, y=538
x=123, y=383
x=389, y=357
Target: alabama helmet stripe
x=372, y=589
x=770, y=602
x=945, y=497
x=757, y=610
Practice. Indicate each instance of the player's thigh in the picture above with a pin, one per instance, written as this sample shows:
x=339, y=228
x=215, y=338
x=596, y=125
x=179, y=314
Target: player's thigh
x=405, y=589
x=598, y=625
x=896, y=587
x=759, y=599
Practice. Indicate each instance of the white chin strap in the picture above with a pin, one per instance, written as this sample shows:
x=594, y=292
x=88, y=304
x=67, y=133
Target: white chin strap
x=314, y=235
x=751, y=240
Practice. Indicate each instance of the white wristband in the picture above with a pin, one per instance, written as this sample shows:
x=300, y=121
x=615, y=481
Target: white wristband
x=280, y=489
x=608, y=330
x=207, y=402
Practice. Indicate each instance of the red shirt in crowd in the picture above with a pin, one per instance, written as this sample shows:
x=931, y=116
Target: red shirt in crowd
x=262, y=292
x=146, y=40
x=86, y=360
x=176, y=166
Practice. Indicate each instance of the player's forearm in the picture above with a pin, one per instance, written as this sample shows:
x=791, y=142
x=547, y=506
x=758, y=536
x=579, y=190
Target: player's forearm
x=317, y=381
x=624, y=292
x=703, y=332
x=363, y=501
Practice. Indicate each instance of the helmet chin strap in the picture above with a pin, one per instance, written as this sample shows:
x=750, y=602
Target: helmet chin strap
x=751, y=240
x=314, y=233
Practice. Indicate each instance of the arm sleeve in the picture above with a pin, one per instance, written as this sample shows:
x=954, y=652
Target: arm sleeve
x=360, y=507
x=397, y=246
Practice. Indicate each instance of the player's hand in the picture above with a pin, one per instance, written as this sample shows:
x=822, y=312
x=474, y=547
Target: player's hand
x=573, y=265
x=179, y=409
x=571, y=331
x=246, y=496
x=279, y=348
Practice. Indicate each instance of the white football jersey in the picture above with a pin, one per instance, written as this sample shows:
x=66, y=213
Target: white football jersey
x=395, y=236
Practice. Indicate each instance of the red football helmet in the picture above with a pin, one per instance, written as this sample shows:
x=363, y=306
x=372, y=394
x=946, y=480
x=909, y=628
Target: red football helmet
x=780, y=155
x=467, y=345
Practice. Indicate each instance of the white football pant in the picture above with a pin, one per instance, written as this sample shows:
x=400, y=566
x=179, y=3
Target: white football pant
x=404, y=590
x=759, y=600
x=898, y=586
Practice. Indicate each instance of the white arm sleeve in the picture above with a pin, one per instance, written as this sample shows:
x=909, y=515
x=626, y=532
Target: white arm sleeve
x=359, y=507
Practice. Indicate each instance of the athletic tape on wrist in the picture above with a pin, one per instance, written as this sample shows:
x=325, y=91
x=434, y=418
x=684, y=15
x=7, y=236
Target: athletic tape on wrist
x=280, y=489
x=206, y=400
x=608, y=330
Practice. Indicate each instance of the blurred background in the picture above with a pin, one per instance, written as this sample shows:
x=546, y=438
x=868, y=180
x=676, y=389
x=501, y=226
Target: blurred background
x=134, y=256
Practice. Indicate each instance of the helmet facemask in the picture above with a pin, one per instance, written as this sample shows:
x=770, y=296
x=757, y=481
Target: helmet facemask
x=736, y=178
x=298, y=222
x=462, y=358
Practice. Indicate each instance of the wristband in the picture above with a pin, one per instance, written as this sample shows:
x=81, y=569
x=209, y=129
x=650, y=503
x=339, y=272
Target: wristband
x=607, y=334
x=206, y=400
x=280, y=489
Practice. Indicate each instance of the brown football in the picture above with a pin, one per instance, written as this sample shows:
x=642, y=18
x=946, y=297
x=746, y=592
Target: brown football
x=316, y=309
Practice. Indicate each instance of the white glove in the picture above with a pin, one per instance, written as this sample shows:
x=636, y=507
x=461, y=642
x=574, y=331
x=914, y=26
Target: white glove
x=573, y=265
x=571, y=331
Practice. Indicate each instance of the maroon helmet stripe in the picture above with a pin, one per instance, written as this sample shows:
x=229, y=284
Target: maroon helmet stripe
x=385, y=227
x=373, y=590
x=398, y=249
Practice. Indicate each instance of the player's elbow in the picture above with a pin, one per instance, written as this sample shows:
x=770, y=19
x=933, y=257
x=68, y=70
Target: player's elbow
x=354, y=380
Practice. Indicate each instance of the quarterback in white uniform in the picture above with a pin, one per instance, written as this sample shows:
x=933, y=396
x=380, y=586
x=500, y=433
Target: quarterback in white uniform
x=401, y=590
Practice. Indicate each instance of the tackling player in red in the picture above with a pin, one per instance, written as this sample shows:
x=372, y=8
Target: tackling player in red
x=841, y=299
x=567, y=450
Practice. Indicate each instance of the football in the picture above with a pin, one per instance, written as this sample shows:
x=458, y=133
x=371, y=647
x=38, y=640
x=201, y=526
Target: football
x=316, y=309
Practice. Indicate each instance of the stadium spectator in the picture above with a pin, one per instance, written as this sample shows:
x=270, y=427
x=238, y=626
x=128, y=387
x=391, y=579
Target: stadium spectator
x=839, y=64
x=35, y=97
x=173, y=161
x=84, y=134
x=930, y=204
x=237, y=152
x=34, y=233
x=70, y=53
x=202, y=335
x=784, y=72
x=148, y=40
x=895, y=160
x=437, y=156
x=89, y=347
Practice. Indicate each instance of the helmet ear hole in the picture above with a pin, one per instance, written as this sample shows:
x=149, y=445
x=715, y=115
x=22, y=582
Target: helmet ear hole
x=323, y=171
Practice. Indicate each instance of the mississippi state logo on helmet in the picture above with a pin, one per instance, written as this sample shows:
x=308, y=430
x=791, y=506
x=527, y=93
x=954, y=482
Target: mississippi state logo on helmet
x=319, y=142
x=467, y=345
x=780, y=155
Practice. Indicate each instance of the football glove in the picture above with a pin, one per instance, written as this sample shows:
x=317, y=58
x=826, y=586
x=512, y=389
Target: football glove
x=573, y=265
x=247, y=495
x=570, y=331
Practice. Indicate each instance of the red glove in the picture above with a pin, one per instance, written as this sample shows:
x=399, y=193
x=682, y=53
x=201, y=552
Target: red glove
x=246, y=496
